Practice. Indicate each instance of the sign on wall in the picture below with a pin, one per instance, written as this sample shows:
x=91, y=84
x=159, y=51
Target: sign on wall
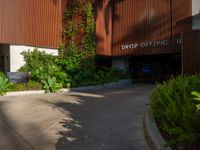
x=150, y=44
x=145, y=45
x=18, y=77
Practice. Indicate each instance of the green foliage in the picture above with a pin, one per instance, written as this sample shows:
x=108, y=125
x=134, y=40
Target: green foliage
x=75, y=69
x=197, y=98
x=61, y=50
x=35, y=59
x=78, y=48
x=108, y=75
x=42, y=67
x=52, y=79
x=4, y=84
x=174, y=110
x=26, y=86
x=51, y=85
x=79, y=26
x=72, y=30
x=77, y=65
x=54, y=70
x=89, y=28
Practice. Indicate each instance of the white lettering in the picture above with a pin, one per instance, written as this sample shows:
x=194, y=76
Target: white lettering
x=165, y=42
x=154, y=43
x=135, y=45
x=131, y=46
x=147, y=44
x=158, y=43
x=142, y=45
x=150, y=44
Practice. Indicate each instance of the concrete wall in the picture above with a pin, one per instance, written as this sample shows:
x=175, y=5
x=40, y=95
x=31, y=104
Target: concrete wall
x=16, y=59
x=196, y=14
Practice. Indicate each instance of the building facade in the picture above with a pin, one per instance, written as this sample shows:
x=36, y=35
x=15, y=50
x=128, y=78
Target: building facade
x=128, y=32
x=28, y=24
x=145, y=32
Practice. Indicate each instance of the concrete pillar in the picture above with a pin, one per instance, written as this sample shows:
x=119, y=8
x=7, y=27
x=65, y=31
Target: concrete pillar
x=4, y=57
x=196, y=14
x=120, y=63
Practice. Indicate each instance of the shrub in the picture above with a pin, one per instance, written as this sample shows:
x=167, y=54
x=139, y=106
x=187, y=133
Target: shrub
x=35, y=59
x=78, y=64
x=52, y=79
x=44, y=70
x=51, y=85
x=75, y=69
x=4, y=84
x=175, y=111
x=42, y=73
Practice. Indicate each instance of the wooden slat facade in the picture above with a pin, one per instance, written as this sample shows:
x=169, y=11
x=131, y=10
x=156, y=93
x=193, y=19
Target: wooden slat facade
x=31, y=22
x=135, y=22
x=181, y=20
x=191, y=52
x=151, y=26
x=103, y=27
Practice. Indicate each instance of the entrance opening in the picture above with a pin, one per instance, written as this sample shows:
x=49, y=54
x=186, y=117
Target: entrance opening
x=155, y=68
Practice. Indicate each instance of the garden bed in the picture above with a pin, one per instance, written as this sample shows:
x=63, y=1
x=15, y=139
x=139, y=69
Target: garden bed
x=120, y=83
x=176, y=114
x=152, y=135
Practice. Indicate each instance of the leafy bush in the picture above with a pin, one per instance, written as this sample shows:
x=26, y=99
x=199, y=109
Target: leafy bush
x=41, y=73
x=52, y=79
x=78, y=64
x=4, y=84
x=51, y=85
x=44, y=70
x=35, y=59
x=75, y=69
x=174, y=110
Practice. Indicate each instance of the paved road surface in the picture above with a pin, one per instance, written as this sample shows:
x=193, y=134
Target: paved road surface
x=108, y=119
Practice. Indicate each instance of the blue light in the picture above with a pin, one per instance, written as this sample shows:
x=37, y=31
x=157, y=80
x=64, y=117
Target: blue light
x=146, y=70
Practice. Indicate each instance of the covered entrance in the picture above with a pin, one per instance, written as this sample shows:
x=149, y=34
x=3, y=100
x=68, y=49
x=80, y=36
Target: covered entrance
x=155, y=67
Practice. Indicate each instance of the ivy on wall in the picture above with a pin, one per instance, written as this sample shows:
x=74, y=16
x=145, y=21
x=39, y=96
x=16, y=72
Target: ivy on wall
x=78, y=31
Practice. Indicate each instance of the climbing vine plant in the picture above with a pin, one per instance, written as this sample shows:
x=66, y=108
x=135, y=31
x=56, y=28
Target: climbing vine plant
x=78, y=49
x=79, y=27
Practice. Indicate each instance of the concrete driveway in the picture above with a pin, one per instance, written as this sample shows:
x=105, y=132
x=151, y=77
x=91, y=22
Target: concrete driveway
x=108, y=119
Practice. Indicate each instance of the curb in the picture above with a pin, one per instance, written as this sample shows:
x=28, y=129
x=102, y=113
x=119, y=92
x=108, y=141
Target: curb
x=124, y=82
x=153, y=137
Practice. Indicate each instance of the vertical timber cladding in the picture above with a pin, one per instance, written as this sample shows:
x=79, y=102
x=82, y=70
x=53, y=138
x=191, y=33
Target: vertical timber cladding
x=191, y=52
x=31, y=22
x=103, y=20
x=181, y=20
x=141, y=27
